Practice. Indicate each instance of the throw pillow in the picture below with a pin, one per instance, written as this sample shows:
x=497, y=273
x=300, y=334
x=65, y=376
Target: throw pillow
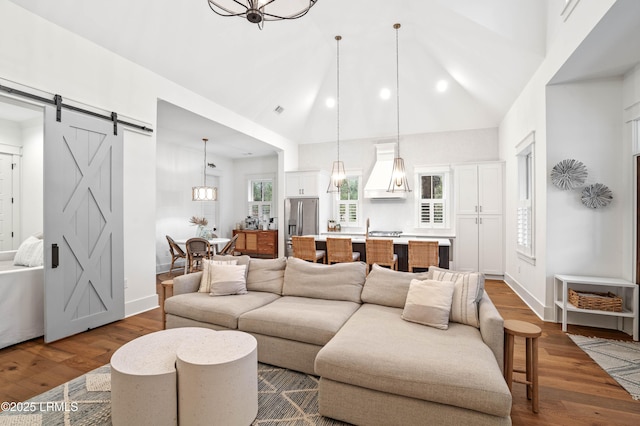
x=429, y=303
x=228, y=279
x=387, y=287
x=469, y=288
x=205, y=281
x=30, y=252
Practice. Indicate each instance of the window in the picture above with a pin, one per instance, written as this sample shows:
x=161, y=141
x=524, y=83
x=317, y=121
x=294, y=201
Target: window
x=260, y=198
x=432, y=197
x=524, y=219
x=348, y=202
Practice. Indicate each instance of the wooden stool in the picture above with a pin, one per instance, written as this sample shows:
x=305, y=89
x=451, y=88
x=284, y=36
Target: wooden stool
x=165, y=285
x=530, y=332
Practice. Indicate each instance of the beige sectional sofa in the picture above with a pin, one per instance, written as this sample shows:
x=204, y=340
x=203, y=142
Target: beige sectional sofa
x=347, y=327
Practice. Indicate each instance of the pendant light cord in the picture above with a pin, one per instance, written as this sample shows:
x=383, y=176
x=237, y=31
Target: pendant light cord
x=397, y=26
x=338, y=38
x=204, y=170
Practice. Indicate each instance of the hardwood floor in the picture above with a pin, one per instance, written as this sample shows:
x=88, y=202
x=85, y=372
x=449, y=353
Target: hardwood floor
x=574, y=390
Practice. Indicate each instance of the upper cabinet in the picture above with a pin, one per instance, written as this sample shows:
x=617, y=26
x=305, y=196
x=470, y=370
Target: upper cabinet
x=306, y=184
x=478, y=189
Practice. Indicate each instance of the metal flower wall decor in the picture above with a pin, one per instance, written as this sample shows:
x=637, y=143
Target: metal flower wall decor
x=569, y=174
x=596, y=195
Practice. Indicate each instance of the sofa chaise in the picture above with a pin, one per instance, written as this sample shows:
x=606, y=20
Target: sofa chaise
x=348, y=328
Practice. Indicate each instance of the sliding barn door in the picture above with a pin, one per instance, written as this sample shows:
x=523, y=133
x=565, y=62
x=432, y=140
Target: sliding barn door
x=84, y=264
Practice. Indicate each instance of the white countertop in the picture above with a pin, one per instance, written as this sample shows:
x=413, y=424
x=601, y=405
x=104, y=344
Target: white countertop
x=359, y=238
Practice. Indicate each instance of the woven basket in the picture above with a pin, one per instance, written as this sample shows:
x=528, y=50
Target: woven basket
x=597, y=301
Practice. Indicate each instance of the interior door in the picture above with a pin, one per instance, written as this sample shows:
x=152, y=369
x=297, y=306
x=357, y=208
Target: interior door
x=83, y=224
x=6, y=207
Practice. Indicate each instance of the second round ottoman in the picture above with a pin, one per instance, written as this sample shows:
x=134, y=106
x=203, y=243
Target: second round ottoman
x=218, y=380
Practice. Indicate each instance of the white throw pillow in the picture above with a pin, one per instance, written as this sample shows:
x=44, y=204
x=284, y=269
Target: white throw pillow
x=205, y=281
x=228, y=279
x=429, y=303
x=30, y=252
x=466, y=297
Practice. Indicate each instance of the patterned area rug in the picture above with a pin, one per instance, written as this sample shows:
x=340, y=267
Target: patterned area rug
x=621, y=360
x=285, y=398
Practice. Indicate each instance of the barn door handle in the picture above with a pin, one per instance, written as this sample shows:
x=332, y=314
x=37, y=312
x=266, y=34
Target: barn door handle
x=55, y=257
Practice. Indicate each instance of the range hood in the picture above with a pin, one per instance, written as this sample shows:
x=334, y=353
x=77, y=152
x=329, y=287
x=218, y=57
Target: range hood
x=376, y=186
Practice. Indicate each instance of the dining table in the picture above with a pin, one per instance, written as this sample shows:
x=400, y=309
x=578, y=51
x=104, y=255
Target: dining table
x=212, y=241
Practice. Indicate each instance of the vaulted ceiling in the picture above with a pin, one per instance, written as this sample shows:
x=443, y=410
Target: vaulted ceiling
x=486, y=50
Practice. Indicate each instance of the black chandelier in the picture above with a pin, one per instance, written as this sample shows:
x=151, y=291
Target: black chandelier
x=258, y=11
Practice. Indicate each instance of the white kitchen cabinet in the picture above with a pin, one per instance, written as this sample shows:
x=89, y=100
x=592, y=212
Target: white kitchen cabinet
x=478, y=194
x=478, y=188
x=306, y=184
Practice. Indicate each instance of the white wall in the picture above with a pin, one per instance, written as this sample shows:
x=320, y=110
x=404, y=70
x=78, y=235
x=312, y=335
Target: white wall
x=44, y=56
x=442, y=148
x=178, y=170
x=534, y=283
x=32, y=209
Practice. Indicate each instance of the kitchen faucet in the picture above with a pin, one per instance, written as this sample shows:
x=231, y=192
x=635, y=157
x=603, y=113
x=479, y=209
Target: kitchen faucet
x=366, y=233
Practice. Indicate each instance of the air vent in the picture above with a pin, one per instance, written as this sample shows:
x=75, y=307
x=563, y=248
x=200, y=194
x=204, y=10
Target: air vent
x=278, y=110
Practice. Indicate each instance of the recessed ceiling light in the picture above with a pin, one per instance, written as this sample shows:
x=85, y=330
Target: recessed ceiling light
x=330, y=102
x=442, y=85
x=385, y=93
x=278, y=109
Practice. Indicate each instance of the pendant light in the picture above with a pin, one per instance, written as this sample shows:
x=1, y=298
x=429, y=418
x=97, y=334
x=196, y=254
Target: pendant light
x=398, y=182
x=338, y=175
x=204, y=192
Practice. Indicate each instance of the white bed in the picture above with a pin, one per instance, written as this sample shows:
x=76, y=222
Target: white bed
x=21, y=301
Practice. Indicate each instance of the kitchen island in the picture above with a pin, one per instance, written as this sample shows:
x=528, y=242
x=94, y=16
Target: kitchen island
x=400, y=246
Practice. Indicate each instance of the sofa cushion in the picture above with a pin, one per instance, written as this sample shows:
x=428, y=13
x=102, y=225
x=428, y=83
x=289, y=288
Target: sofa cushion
x=466, y=295
x=342, y=281
x=223, y=311
x=301, y=319
x=429, y=303
x=266, y=275
x=377, y=350
x=387, y=287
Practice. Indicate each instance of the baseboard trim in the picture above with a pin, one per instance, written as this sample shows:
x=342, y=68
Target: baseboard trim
x=534, y=304
x=138, y=306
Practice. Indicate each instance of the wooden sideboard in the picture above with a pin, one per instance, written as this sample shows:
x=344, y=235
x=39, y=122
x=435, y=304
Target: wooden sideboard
x=257, y=243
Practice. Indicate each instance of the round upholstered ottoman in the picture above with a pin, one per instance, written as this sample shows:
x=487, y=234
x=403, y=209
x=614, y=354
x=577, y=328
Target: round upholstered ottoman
x=143, y=377
x=218, y=380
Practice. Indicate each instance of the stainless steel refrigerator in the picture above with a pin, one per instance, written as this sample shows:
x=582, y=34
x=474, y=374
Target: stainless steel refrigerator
x=300, y=218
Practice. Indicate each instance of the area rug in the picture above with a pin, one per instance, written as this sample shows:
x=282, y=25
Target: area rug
x=285, y=398
x=621, y=360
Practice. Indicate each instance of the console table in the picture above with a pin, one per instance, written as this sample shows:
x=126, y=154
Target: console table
x=622, y=288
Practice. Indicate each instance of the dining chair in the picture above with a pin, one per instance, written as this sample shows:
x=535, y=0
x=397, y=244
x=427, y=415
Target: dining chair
x=422, y=254
x=176, y=253
x=229, y=248
x=340, y=250
x=380, y=251
x=197, y=250
x=305, y=248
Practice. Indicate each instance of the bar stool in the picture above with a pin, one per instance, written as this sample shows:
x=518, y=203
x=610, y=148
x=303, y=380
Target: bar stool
x=305, y=248
x=340, y=250
x=530, y=332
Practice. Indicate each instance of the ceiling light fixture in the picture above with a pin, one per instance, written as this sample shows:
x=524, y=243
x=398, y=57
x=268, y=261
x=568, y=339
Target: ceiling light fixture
x=442, y=86
x=204, y=192
x=385, y=93
x=338, y=175
x=398, y=182
x=330, y=102
x=258, y=11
